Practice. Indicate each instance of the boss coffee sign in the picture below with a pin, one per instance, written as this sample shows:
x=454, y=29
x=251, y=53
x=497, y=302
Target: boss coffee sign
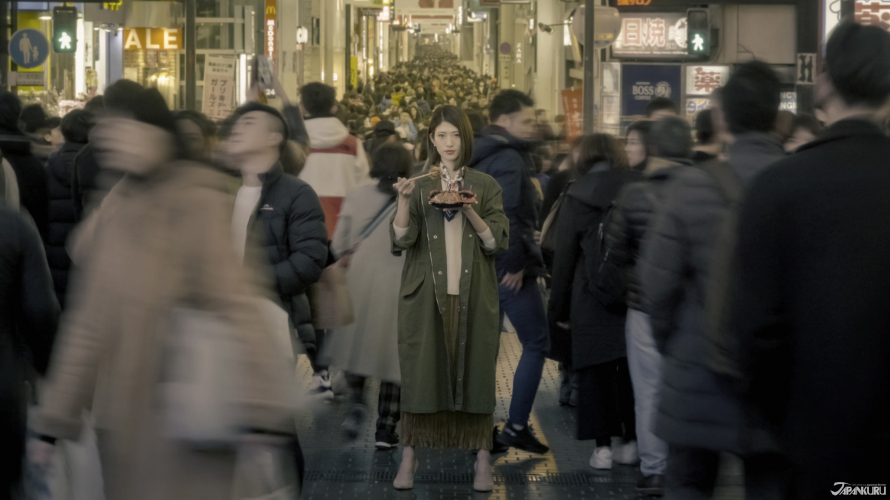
x=640, y=83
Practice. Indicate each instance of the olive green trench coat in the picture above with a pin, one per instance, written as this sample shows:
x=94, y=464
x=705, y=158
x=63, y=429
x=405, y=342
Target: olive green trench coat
x=426, y=372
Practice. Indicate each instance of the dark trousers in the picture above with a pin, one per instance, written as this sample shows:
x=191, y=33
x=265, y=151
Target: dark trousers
x=691, y=474
x=312, y=352
x=606, y=402
x=388, y=412
x=526, y=312
x=13, y=406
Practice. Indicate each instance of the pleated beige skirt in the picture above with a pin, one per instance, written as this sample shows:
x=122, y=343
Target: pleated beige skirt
x=449, y=429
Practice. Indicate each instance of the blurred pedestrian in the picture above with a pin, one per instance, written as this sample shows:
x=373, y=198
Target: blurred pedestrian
x=701, y=412
x=636, y=144
x=448, y=397
x=707, y=142
x=805, y=129
x=337, y=161
x=159, y=241
x=669, y=140
x=807, y=305
x=76, y=128
x=197, y=132
x=369, y=346
x=92, y=180
x=661, y=107
x=33, y=122
x=504, y=152
x=599, y=353
x=16, y=148
x=28, y=316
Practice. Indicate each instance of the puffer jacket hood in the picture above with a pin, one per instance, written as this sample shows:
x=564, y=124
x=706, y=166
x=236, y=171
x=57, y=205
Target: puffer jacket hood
x=598, y=187
x=326, y=132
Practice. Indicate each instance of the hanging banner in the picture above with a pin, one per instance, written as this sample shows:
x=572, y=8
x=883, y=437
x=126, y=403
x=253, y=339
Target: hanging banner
x=573, y=111
x=219, y=87
x=873, y=13
x=353, y=71
x=153, y=38
x=270, y=32
x=642, y=83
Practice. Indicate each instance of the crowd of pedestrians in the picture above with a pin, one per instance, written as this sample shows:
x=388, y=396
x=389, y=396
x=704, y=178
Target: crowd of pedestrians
x=706, y=289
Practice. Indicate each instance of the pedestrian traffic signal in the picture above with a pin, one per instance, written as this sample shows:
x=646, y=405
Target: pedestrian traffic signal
x=64, y=29
x=698, y=33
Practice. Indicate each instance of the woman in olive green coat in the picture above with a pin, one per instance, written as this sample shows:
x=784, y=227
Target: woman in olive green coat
x=448, y=308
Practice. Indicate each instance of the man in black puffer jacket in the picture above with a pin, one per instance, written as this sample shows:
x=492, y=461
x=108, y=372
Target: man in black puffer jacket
x=284, y=210
x=670, y=140
x=28, y=318
x=62, y=214
x=504, y=152
x=702, y=413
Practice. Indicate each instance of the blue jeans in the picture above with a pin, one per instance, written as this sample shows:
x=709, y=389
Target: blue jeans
x=644, y=362
x=526, y=311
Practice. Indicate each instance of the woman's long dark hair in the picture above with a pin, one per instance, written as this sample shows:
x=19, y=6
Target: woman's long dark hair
x=596, y=148
x=455, y=116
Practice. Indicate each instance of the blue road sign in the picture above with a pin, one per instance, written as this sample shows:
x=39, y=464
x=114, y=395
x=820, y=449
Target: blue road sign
x=28, y=48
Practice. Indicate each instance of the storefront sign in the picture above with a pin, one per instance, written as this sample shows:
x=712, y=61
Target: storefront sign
x=153, y=38
x=572, y=110
x=271, y=31
x=651, y=35
x=219, y=87
x=633, y=3
x=694, y=106
x=702, y=80
x=873, y=13
x=642, y=83
x=789, y=101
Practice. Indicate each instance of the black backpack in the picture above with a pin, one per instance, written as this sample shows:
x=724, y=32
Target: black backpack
x=607, y=279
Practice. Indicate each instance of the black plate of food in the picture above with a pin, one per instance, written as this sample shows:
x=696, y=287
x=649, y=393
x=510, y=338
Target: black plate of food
x=450, y=200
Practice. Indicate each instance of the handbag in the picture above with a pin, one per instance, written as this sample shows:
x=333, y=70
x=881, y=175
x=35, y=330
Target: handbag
x=201, y=368
x=330, y=300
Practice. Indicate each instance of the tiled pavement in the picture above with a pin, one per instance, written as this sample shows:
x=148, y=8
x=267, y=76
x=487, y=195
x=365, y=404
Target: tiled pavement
x=338, y=469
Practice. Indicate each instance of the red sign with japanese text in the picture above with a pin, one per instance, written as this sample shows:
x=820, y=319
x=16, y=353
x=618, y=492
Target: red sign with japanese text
x=573, y=110
x=873, y=13
x=702, y=80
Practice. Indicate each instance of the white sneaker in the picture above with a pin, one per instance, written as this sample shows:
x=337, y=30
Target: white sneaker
x=626, y=453
x=601, y=458
x=321, y=386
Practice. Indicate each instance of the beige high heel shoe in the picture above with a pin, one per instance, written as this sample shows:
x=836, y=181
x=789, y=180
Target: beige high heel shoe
x=480, y=485
x=407, y=485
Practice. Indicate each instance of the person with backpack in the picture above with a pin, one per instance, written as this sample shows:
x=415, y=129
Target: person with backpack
x=810, y=282
x=668, y=139
x=701, y=412
x=369, y=346
x=598, y=352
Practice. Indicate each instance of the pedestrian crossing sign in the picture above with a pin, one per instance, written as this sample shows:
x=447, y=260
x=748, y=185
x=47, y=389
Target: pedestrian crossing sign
x=28, y=48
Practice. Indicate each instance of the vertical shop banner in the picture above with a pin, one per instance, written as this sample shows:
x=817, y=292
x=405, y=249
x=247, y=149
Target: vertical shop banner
x=573, y=111
x=642, y=83
x=270, y=32
x=353, y=71
x=219, y=87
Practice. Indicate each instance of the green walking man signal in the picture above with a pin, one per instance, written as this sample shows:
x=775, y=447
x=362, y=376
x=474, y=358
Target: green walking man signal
x=64, y=29
x=698, y=33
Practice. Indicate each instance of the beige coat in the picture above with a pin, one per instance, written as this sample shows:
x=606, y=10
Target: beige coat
x=156, y=242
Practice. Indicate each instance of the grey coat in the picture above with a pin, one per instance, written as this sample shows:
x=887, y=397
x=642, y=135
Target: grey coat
x=370, y=345
x=699, y=408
